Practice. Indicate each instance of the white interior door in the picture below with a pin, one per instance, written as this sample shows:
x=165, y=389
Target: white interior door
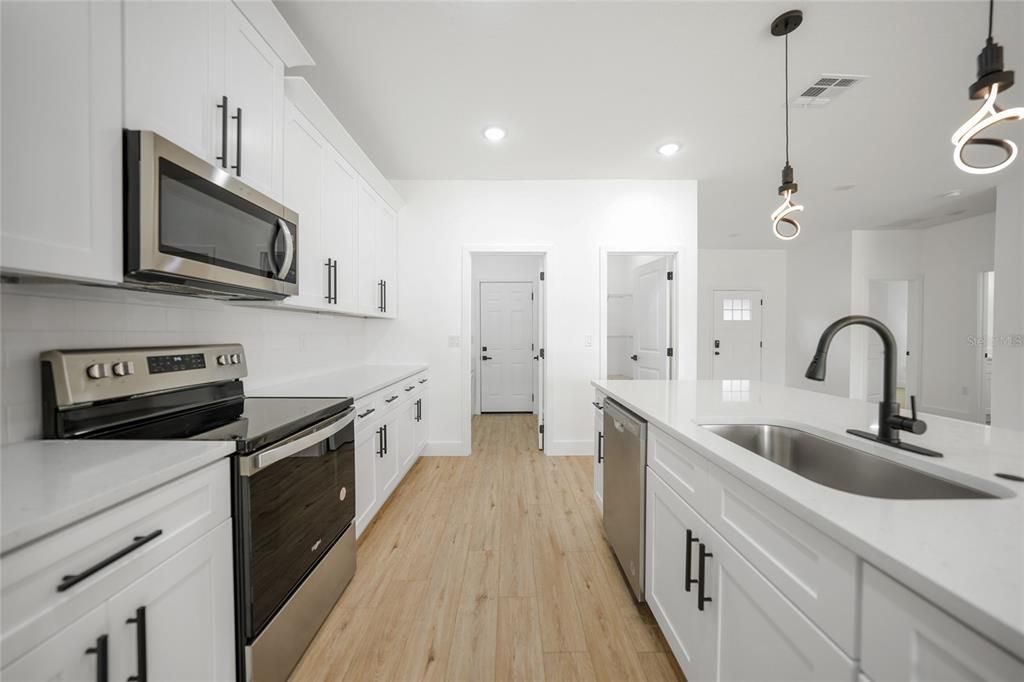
x=651, y=310
x=506, y=352
x=539, y=359
x=736, y=352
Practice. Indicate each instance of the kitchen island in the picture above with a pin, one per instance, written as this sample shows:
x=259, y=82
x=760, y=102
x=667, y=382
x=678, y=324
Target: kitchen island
x=830, y=553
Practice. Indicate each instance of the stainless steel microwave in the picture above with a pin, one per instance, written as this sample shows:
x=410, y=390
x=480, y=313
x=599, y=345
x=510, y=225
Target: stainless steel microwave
x=192, y=228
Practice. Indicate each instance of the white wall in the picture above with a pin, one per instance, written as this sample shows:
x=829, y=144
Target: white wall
x=745, y=269
x=1008, y=356
x=280, y=345
x=948, y=259
x=574, y=219
x=818, y=293
x=500, y=268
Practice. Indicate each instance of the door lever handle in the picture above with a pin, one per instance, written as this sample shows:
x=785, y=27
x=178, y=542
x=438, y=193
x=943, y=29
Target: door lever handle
x=486, y=357
x=633, y=357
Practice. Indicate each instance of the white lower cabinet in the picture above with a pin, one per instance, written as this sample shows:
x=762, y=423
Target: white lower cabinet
x=599, y=450
x=177, y=622
x=78, y=652
x=904, y=637
x=165, y=610
x=391, y=432
x=723, y=619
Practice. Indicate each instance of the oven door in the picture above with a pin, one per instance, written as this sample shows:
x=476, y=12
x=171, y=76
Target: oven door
x=191, y=224
x=294, y=500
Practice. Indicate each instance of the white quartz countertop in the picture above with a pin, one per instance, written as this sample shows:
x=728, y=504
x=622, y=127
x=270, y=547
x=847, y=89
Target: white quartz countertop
x=47, y=485
x=350, y=382
x=967, y=556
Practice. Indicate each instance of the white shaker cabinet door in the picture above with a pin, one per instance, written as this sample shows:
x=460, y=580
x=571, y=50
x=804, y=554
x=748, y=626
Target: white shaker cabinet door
x=186, y=606
x=303, y=193
x=904, y=637
x=75, y=653
x=386, y=253
x=62, y=130
x=370, y=288
x=599, y=450
x=367, y=501
x=254, y=84
x=174, y=73
x=340, y=231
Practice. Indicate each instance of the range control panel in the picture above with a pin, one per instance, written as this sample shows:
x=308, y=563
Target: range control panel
x=82, y=376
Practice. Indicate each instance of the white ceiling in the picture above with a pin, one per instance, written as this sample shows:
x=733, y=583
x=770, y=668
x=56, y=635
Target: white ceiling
x=589, y=90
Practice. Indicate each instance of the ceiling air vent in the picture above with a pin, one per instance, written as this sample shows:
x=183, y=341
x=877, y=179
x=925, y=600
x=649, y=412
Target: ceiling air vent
x=825, y=90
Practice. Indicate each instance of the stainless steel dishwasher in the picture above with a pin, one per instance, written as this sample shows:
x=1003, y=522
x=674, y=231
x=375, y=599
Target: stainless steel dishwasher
x=625, y=487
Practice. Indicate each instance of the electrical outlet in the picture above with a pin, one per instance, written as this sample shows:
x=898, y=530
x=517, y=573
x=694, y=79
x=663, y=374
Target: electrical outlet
x=454, y=341
x=588, y=341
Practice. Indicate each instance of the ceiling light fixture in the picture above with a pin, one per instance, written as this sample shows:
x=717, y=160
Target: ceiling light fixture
x=494, y=134
x=668, y=149
x=992, y=80
x=784, y=224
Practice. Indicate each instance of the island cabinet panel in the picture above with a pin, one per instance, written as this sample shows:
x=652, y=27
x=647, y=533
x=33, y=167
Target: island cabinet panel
x=904, y=637
x=680, y=466
x=814, y=571
x=722, y=618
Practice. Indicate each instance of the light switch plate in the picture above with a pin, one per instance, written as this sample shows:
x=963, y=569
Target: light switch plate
x=588, y=341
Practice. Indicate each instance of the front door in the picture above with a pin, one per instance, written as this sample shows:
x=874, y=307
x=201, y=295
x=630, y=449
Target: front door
x=506, y=353
x=651, y=310
x=736, y=350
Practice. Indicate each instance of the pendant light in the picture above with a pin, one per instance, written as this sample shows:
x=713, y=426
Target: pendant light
x=992, y=80
x=784, y=222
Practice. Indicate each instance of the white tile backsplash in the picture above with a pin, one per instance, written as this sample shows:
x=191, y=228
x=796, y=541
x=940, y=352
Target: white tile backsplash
x=280, y=345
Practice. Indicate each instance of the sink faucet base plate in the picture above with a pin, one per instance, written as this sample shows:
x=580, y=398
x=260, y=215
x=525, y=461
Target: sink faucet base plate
x=902, y=446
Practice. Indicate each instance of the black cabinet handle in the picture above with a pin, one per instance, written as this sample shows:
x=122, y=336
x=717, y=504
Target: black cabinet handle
x=140, y=645
x=422, y=381
x=223, y=106
x=419, y=410
x=238, y=141
x=335, y=270
x=385, y=427
x=701, y=597
x=600, y=450
x=598, y=405
x=381, y=291
x=391, y=399
x=70, y=581
x=633, y=358
x=385, y=295
x=690, y=539
x=380, y=442
x=409, y=388
x=367, y=413
x=102, y=666
x=330, y=281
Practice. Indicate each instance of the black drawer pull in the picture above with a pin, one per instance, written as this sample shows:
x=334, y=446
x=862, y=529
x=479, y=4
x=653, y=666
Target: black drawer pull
x=367, y=413
x=409, y=388
x=391, y=399
x=140, y=645
x=100, y=649
x=422, y=381
x=690, y=539
x=701, y=598
x=598, y=405
x=70, y=581
x=600, y=450
x=223, y=106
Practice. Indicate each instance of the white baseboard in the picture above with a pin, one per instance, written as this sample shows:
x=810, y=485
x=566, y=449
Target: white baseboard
x=446, y=448
x=570, y=448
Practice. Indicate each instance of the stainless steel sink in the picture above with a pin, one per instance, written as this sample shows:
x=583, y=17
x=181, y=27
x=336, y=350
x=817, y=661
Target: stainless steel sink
x=839, y=466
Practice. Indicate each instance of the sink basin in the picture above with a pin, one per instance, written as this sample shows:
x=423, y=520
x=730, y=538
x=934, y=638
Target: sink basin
x=841, y=467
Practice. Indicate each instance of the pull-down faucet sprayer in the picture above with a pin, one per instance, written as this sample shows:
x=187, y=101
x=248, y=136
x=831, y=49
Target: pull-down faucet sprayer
x=890, y=422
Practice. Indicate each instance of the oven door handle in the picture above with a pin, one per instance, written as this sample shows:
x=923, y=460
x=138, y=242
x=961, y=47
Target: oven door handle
x=252, y=464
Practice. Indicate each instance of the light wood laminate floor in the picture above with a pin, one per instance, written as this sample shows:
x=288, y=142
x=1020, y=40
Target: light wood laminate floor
x=489, y=567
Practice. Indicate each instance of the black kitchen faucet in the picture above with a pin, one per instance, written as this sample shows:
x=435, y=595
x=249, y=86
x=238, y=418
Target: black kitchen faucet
x=890, y=421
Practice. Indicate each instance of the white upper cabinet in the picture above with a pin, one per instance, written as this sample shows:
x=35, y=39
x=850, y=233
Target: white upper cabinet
x=369, y=288
x=386, y=254
x=340, y=235
x=303, y=193
x=182, y=59
x=61, y=162
x=254, y=83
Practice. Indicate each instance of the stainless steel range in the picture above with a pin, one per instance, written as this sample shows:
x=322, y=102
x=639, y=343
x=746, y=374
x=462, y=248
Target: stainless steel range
x=293, y=475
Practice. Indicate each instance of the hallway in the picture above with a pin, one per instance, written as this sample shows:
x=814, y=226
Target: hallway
x=488, y=567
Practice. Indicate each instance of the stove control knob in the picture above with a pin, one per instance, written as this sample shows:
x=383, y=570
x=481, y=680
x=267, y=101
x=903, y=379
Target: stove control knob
x=123, y=369
x=235, y=358
x=97, y=371
x=222, y=360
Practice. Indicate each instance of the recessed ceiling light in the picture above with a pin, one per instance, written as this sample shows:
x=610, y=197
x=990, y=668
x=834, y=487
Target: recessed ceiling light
x=844, y=188
x=668, y=149
x=494, y=134
x=951, y=194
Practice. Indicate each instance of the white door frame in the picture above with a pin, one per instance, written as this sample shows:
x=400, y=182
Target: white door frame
x=979, y=371
x=468, y=354
x=673, y=251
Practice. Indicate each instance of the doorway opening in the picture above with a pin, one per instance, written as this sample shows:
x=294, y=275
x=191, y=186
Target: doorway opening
x=506, y=340
x=987, y=345
x=638, y=313
x=897, y=303
x=738, y=342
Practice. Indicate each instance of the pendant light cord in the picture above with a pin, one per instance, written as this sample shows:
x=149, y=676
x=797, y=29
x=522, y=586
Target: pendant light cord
x=787, y=99
x=991, y=10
